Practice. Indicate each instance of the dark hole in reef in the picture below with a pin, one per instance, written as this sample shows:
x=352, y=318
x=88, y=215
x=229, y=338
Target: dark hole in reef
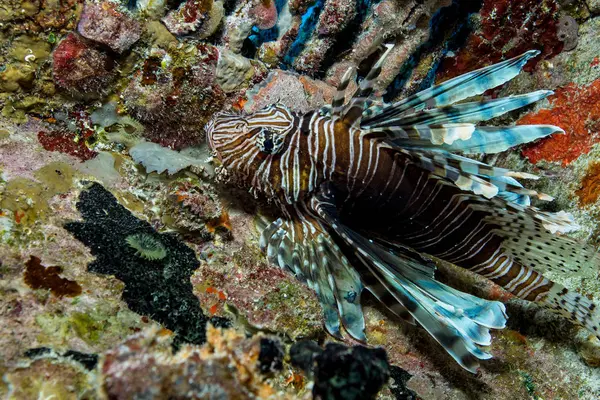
x=398, y=384
x=88, y=360
x=160, y=289
x=270, y=358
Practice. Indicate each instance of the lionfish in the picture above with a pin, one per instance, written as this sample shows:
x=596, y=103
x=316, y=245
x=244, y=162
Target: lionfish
x=369, y=191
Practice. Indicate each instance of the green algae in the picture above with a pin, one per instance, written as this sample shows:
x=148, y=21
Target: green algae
x=99, y=326
x=29, y=49
x=159, y=35
x=68, y=381
x=26, y=199
x=86, y=327
x=17, y=76
x=57, y=177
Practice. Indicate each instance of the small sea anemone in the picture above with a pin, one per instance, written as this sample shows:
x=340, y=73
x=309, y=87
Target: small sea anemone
x=147, y=246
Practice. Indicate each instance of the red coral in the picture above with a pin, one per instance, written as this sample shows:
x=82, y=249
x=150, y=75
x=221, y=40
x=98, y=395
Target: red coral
x=80, y=67
x=577, y=111
x=508, y=28
x=65, y=142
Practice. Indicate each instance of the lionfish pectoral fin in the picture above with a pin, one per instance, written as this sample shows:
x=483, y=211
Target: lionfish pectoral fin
x=458, y=321
x=303, y=246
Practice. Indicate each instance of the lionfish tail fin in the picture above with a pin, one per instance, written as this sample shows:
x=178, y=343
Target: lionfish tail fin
x=575, y=307
x=405, y=284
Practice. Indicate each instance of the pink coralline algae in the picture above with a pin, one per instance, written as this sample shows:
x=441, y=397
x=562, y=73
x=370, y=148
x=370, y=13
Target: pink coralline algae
x=79, y=67
x=105, y=24
x=264, y=14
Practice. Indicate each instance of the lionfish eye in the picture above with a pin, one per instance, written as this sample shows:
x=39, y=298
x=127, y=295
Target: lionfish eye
x=269, y=142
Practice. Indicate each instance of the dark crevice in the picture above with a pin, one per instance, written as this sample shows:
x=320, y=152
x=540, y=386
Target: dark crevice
x=346, y=38
x=450, y=28
x=307, y=27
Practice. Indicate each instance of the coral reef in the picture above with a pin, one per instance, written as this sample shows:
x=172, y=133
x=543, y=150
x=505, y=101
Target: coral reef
x=227, y=366
x=120, y=249
x=173, y=94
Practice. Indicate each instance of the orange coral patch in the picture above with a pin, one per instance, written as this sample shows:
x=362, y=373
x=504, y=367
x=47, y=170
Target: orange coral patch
x=577, y=111
x=590, y=185
x=221, y=223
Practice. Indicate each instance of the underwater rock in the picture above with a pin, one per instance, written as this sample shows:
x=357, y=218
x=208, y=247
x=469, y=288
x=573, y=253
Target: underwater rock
x=173, y=94
x=342, y=372
x=195, y=16
x=80, y=68
x=234, y=71
x=506, y=29
x=264, y=14
x=159, y=288
x=104, y=23
x=156, y=158
x=48, y=378
x=567, y=32
x=194, y=209
x=226, y=367
x=297, y=92
x=260, y=296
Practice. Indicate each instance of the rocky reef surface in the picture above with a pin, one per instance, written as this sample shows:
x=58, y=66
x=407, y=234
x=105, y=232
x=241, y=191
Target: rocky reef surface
x=127, y=270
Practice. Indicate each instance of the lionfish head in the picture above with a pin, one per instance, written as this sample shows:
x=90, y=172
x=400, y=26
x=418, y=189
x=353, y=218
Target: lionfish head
x=238, y=139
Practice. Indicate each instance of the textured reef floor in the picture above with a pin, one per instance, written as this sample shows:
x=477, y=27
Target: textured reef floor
x=128, y=269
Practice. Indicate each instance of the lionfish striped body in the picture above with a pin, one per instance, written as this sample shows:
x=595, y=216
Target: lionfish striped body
x=368, y=190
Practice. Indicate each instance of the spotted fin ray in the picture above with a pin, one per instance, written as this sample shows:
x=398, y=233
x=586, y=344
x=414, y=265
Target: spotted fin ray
x=464, y=112
x=454, y=90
